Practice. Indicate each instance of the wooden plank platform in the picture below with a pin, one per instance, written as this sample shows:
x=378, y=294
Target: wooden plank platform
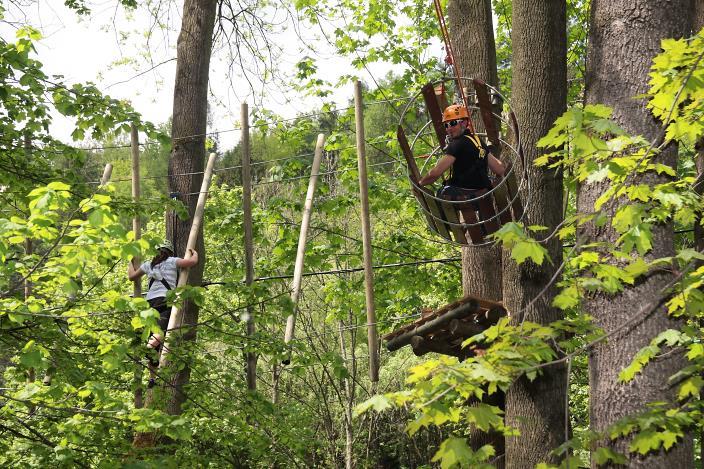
x=444, y=330
x=454, y=225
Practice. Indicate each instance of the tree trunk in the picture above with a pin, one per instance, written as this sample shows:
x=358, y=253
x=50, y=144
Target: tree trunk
x=624, y=37
x=472, y=33
x=185, y=176
x=539, y=96
x=475, y=54
x=188, y=152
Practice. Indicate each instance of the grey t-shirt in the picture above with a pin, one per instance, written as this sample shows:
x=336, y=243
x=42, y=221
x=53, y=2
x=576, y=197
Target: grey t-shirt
x=166, y=270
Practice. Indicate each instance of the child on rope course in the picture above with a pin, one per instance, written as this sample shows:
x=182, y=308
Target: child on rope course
x=162, y=272
x=468, y=158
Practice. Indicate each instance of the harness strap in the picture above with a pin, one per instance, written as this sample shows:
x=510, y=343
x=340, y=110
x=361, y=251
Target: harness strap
x=164, y=282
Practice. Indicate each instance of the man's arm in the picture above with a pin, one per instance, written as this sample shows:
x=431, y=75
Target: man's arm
x=496, y=165
x=442, y=166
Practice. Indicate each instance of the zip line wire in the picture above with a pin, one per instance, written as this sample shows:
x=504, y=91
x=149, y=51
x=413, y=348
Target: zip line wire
x=236, y=128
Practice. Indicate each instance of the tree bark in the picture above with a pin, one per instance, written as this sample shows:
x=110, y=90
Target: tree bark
x=185, y=176
x=472, y=33
x=624, y=37
x=539, y=96
x=188, y=153
x=698, y=6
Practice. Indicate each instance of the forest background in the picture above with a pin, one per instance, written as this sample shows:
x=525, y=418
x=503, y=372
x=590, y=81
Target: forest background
x=73, y=336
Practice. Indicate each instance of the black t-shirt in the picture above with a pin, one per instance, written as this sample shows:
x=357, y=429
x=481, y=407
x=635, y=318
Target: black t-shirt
x=470, y=169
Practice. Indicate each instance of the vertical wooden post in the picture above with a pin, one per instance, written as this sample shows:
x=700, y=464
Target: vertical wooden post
x=136, y=222
x=176, y=318
x=28, y=249
x=28, y=241
x=248, y=243
x=136, y=262
x=372, y=338
x=302, y=238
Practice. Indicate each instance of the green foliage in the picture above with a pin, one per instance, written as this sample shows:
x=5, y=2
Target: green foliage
x=79, y=325
x=454, y=452
x=593, y=150
x=512, y=236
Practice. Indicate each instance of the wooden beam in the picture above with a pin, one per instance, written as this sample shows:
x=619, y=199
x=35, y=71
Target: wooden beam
x=107, y=173
x=464, y=329
x=407, y=154
x=453, y=224
x=372, y=335
x=136, y=261
x=422, y=345
x=490, y=317
x=488, y=214
x=471, y=307
x=302, y=239
x=251, y=357
x=433, y=107
x=486, y=111
x=176, y=317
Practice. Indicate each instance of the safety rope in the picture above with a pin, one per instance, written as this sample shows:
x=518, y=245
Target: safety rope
x=451, y=57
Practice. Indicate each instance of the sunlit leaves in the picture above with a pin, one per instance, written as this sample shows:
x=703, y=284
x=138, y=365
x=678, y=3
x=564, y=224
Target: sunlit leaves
x=522, y=246
x=676, y=87
x=453, y=452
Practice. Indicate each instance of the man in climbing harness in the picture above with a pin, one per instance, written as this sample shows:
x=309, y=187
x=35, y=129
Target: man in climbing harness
x=466, y=155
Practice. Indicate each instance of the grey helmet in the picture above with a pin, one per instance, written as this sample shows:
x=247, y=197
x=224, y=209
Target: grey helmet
x=166, y=245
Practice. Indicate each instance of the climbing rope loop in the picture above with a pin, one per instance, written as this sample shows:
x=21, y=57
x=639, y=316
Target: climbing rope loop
x=470, y=221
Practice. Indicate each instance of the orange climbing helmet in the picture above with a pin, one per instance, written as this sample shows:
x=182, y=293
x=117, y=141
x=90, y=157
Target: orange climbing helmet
x=454, y=111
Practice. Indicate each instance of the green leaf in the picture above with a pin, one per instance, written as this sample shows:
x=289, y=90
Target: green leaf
x=641, y=359
x=453, y=451
x=605, y=455
x=96, y=218
x=31, y=356
x=691, y=387
x=567, y=298
x=644, y=442
x=379, y=403
x=696, y=350
x=58, y=186
x=136, y=322
x=485, y=417
x=529, y=249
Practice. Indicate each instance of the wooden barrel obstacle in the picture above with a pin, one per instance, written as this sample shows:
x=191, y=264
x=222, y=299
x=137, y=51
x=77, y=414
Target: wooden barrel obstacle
x=468, y=222
x=443, y=331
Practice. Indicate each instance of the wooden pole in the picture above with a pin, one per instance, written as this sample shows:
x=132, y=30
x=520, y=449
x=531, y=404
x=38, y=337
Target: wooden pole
x=27, y=242
x=372, y=337
x=136, y=261
x=107, y=172
x=248, y=242
x=136, y=222
x=302, y=238
x=28, y=250
x=176, y=318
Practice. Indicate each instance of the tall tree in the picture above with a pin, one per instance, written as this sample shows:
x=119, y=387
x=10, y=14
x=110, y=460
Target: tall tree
x=472, y=35
x=539, y=96
x=624, y=37
x=185, y=176
x=188, y=152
